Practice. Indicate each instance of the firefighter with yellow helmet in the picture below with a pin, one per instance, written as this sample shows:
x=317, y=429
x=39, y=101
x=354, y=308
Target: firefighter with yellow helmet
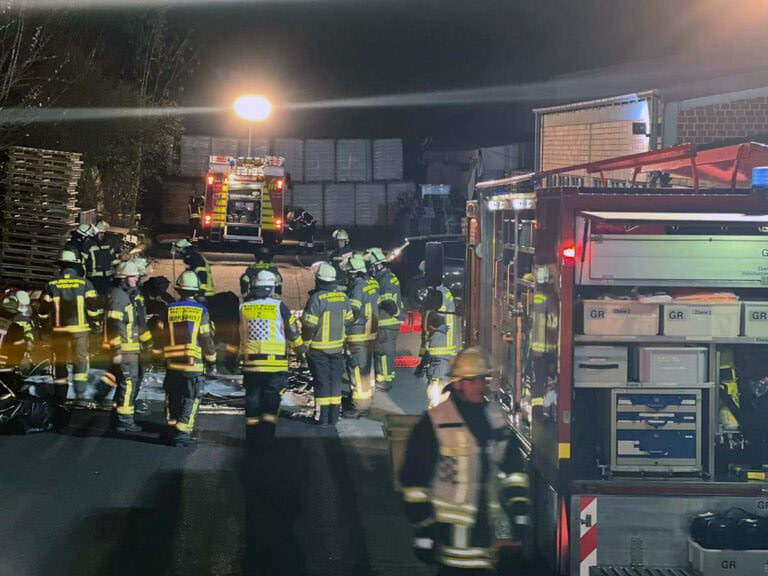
x=325, y=321
x=69, y=304
x=267, y=329
x=464, y=478
x=188, y=348
x=390, y=318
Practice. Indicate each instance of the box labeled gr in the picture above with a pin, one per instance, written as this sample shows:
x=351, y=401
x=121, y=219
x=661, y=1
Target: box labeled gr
x=709, y=319
x=620, y=318
x=755, y=319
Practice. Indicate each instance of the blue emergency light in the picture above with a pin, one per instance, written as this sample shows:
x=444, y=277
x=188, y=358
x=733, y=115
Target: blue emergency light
x=760, y=177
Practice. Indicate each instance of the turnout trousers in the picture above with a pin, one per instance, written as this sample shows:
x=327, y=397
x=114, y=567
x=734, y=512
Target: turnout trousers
x=384, y=356
x=327, y=372
x=262, y=402
x=125, y=379
x=65, y=348
x=182, y=399
x=437, y=378
x=359, y=366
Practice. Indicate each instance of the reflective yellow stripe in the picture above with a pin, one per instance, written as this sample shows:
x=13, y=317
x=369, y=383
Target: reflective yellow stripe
x=516, y=479
x=413, y=495
x=271, y=418
x=564, y=450
x=252, y=420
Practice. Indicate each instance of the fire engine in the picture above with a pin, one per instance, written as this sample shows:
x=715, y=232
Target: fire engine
x=244, y=200
x=629, y=329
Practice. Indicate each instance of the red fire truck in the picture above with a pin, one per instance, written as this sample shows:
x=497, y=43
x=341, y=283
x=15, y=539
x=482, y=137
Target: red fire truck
x=244, y=200
x=619, y=384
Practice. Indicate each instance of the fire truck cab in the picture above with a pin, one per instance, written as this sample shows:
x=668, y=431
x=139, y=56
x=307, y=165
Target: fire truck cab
x=244, y=200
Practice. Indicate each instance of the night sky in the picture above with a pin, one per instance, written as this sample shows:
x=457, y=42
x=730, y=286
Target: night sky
x=309, y=51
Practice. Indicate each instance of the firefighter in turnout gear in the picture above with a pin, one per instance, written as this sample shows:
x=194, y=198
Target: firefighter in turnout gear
x=80, y=242
x=14, y=346
x=361, y=337
x=267, y=328
x=326, y=319
x=187, y=346
x=464, y=481
x=390, y=318
x=23, y=317
x=69, y=304
x=339, y=256
x=198, y=264
x=440, y=340
x=100, y=261
x=263, y=262
x=123, y=334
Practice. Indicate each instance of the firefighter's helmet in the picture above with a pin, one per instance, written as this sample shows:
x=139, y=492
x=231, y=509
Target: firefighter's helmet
x=470, y=363
x=127, y=270
x=376, y=256
x=263, y=254
x=84, y=230
x=102, y=226
x=182, y=244
x=341, y=234
x=265, y=279
x=68, y=257
x=356, y=264
x=325, y=273
x=142, y=264
x=11, y=304
x=23, y=297
x=188, y=282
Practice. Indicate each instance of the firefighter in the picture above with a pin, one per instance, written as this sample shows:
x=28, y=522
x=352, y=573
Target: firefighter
x=440, y=340
x=267, y=327
x=14, y=347
x=187, y=347
x=339, y=256
x=23, y=318
x=325, y=321
x=196, y=262
x=100, y=261
x=69, y=304
x=263, y=262
x=145, y=335
x=463, y=477
x=364, y=299
x=195, y=212
x=390, y=318
x=304, y=224
x=122, y=332
x=80, y=241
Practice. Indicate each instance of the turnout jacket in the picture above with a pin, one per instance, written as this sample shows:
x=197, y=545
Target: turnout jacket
x=100, y=260
x=326, y=319
x=267, y=327
x=463, y=469
x=364, y=299
x=390, y=300
x=125, y=325
x=200, y=266
x=185, y=339
x=440, y=333
x=13, y=344
x=69, y=303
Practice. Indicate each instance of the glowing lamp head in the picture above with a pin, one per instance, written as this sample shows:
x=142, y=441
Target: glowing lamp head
x=210, y=180
x=207, y=220
x=280, y=184
x=278, y=224
x=569, y=253
x=253, y=108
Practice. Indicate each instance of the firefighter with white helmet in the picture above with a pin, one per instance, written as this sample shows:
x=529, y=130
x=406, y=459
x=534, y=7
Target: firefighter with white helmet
x=187, y=345
x=13, y=344
x=80, y=241
x=326, y=319
x=123, y=336
x=361, y=337
x=464, y=478
x=196, y=262
x=390, y=317
x=339, y=256
x=69, y=303
x=100, y=260
x=264, y=258
x=267, y=329
x=23, y=317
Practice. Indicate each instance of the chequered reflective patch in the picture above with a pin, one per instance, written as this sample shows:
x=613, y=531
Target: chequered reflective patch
x=258, y=330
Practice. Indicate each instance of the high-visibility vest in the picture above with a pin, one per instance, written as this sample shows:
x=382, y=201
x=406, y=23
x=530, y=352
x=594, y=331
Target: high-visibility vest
x=443, y=341
x=266, y=328
x=189, y=337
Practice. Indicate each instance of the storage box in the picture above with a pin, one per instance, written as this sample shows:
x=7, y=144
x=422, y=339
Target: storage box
x=727, y=562
x=655, y=431
x=715, y=319
x=620, y=318
x=599, y=366
x=668, y=366
x=755, y=319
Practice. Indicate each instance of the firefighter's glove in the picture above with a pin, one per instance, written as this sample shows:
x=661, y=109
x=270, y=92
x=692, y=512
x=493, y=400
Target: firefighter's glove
x=211, y=371
x=423, y=365
x=424, y=544
x=117, y=359
x=352, y=361
x=389, y=307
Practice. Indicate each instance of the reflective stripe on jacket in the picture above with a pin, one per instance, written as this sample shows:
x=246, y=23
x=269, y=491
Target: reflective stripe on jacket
x=187, y=337
x=100, y=261
x=121, y=329
x=69, y=302
x=325, y=321
x=389, y=290
x=440, y=327
x=364, y=299
x=266, y=328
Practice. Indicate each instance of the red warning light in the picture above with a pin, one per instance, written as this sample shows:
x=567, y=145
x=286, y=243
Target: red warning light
x=280, y=184
x=569, y=253
x=210, y=180
x=207, y=220
x=278, y=224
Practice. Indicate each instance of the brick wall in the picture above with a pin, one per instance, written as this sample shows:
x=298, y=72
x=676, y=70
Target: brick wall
x=736, y=119
x=579, y=143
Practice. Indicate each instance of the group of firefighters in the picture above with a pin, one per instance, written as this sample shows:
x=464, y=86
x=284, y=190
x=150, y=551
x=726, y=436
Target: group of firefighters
x=455, y=489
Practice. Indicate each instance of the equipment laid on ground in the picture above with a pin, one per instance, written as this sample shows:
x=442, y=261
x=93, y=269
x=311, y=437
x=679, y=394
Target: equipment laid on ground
x=39, y=208
x=244, y=200
x=629, y=333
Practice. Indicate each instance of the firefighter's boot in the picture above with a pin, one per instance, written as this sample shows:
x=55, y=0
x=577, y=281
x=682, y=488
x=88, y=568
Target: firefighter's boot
x=325, y=413
x=333, y=414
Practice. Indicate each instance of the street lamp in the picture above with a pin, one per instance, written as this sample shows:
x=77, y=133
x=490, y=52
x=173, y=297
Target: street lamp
x=253, y=109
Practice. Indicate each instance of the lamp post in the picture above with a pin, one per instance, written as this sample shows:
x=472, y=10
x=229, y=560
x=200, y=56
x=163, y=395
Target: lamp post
x=253, y=109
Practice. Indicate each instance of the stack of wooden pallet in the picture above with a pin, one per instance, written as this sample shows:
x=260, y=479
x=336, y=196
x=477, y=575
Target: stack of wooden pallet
x=38, y=210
